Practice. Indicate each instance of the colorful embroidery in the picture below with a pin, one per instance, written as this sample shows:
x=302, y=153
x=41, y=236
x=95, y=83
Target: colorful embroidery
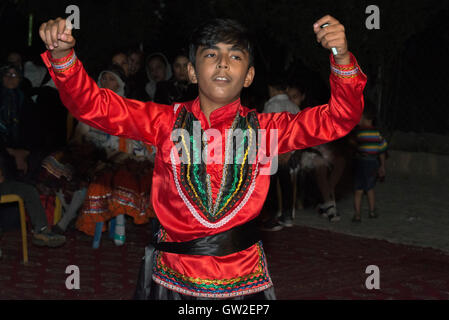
x=96, y=204
x=64, y=64
x=345, y=72
x=257, y=281
x=126, y=197
x=56, y=168
x=237, y=174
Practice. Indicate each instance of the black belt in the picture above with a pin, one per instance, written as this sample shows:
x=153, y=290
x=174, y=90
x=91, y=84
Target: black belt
x=234, y=240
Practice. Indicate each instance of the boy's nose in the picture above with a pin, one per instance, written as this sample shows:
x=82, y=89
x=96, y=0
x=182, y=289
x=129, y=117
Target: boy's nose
x=223, y=63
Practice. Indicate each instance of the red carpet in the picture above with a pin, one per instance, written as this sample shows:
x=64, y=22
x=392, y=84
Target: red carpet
x=109, y=272
x=307, y=263
x=304, y=264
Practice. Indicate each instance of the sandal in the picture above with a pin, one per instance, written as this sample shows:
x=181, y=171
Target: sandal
x=373, y=215
x=356, y=219
x=324, y=212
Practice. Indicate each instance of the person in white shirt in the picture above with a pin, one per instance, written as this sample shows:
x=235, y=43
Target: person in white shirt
x=280, y=102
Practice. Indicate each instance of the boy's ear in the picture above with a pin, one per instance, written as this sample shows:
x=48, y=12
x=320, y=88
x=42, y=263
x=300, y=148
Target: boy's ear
x=192, y=73
x=249, y=77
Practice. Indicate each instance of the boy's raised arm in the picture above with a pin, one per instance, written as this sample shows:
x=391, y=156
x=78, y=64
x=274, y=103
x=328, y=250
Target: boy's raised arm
x=321, y=124
x=99, y=108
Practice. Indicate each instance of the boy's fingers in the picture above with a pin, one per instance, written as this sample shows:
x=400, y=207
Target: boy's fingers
x=54, y=34
x=326, y=19
x=42, y=32
x=334, y=37
x=61, y=27
x=48, y=40
x=334, y=29
x=66, y=31
x=335, y=44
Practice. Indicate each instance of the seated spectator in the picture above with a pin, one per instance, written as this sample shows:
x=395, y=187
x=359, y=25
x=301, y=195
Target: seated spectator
x=13, y=107
x=136, y=79
x=327, y=161
x=66, y=174
x=30, y=130
x=122, y=184
x=42, y=235
x=121, y=59
x=158, y=69
x=178, y=88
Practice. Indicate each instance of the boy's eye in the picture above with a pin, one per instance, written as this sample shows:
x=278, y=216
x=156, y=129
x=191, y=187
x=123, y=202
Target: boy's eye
x=236, y=58
x=210, y=55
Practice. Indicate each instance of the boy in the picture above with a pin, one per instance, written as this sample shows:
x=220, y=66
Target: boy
x=369, y=163
x=279, y=102
x=207, y=245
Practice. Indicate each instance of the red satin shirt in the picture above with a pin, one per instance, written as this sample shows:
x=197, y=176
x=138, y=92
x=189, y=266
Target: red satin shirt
x=243, y=272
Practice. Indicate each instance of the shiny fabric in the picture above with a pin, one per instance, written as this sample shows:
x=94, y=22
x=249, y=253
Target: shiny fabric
x=240, y=273
x=221, y=244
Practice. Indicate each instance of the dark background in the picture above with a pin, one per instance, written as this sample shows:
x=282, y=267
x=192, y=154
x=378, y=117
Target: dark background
x=406, y=60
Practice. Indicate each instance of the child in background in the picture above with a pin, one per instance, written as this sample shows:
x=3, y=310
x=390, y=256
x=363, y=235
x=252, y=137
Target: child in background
x=369, y=162
x=279, y=102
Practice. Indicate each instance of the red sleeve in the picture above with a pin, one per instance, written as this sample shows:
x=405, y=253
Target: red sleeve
x=103, y=109
x=321, y=124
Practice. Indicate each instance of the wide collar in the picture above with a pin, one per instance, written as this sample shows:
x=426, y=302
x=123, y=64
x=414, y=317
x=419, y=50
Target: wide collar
x=219, y=116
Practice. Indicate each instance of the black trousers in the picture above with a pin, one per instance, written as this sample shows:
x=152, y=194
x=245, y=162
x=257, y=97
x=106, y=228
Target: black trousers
x=31, y=200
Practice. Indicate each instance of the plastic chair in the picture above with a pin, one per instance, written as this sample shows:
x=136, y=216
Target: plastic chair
x=7, y=198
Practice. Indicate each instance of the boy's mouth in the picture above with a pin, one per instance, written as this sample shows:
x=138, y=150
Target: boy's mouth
x=221, y=79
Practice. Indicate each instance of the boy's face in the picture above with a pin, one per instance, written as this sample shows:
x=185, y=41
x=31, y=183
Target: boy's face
x=295, y=96
x=221, y=72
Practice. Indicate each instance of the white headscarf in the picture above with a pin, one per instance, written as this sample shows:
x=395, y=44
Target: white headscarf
x=121, y=89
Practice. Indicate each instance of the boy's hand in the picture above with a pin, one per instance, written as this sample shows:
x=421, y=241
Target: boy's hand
x=333, y=36
x=57, y=37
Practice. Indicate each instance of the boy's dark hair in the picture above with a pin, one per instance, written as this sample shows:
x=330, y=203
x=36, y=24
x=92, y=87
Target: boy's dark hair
x=221, y=30
x=180, y=53
x=277, y=80
x=294, y=83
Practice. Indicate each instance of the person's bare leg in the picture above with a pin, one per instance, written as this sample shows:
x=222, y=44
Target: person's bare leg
x=358, y=194
x=339, y=163
x=372, y=203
